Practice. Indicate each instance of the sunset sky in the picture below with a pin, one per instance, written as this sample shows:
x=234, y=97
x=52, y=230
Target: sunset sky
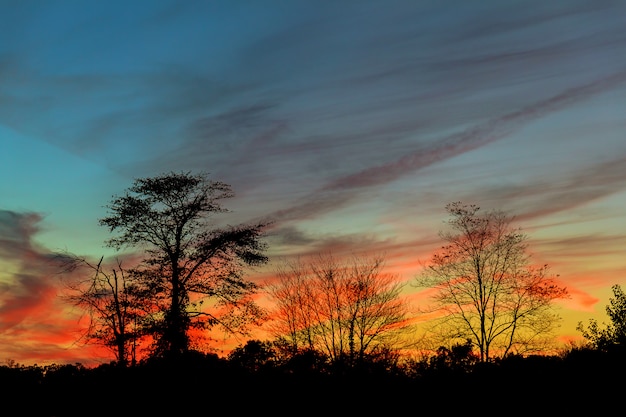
x=350, y=124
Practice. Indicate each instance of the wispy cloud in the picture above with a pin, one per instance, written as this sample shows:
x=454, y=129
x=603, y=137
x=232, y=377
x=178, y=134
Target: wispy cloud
x=540, y=196
x=338, y=192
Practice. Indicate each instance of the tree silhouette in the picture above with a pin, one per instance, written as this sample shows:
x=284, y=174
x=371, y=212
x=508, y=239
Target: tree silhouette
x=485, y=287
x=460, y=357
x=112, y=303
x=613, y=335
x=345, y=310
x=253, y=356
x=193, y=272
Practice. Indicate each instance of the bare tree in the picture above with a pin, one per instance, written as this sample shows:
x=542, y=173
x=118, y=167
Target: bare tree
x=193, y=272
x=112, y=305
x=346, y=310
x=486, y=289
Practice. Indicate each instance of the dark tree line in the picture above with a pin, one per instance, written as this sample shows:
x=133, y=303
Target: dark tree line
x=269, y=375
x=261, y=376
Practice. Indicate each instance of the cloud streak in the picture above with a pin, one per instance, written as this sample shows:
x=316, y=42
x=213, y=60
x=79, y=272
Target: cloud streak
x=336, y=193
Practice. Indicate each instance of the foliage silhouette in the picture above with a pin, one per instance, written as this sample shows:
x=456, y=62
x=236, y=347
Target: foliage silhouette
x=190, y=265
x=253, y=356
x=613, y=335
x=459, y=357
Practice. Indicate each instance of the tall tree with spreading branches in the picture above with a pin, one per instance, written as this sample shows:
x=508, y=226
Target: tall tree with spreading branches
x=192, y=271
x=486, y=288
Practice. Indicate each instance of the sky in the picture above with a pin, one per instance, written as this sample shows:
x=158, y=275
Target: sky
x=349, y=124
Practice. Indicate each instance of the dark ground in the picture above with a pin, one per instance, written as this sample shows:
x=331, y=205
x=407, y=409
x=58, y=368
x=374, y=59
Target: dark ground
x=587, y=384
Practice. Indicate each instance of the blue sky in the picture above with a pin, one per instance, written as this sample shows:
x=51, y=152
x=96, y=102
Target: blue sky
x=351, y=124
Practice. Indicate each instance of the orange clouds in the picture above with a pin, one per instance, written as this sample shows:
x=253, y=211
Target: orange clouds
x=35, y=324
